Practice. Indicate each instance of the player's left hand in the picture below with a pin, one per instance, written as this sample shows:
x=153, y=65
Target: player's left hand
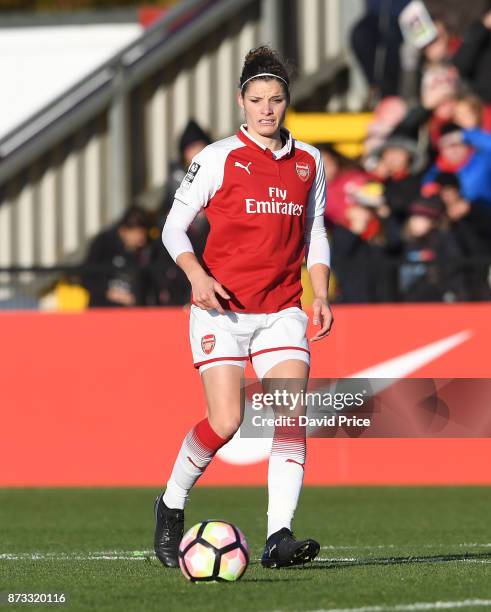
x=322, y=316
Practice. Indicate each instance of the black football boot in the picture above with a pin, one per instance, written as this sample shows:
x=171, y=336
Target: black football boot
x=169, y=528
x=283, y=550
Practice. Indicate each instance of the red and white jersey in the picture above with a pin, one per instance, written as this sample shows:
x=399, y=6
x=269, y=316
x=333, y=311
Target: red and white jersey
x=256, y=202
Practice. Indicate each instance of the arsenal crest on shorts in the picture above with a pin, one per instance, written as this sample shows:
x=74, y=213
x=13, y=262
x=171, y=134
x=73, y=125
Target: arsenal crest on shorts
x=303, y=171
x=208, y=343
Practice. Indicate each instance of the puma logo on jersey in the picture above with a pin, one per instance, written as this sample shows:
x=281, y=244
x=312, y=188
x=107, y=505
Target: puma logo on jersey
x=246, y=168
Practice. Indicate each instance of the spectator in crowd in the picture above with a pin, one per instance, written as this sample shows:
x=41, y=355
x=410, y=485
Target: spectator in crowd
x=458, y=15
x=445, y=44
x=439, y=87
x=387, y=114
x=342, y=176
x=470, y=227
x=167, y=284
x=424, y=121
x=359, y=249
x=115, y=261
x=437, y=204
x=440, y=42
x=473, y=61
x=468, y=112
x=193, y=140
x=466, y=153
x=376, y=40
x=439, y=91
x=429, y=272
x=435, y=65
x=398, y=164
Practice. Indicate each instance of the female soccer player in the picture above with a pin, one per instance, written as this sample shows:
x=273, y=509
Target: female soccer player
x=264, y=195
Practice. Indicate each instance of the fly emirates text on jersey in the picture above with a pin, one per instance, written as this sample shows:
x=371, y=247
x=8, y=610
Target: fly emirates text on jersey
x=276, y=205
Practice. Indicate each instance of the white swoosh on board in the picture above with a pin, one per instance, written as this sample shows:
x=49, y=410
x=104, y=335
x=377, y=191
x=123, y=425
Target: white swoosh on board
x=245, y=451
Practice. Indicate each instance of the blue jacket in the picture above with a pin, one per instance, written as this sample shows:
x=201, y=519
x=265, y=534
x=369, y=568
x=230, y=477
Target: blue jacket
x=475, y=175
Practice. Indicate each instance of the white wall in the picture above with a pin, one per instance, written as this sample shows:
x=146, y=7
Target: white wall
x=39, y=63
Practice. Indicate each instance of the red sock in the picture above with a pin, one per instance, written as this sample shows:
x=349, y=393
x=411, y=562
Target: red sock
x=207, y=436
x=197, y=450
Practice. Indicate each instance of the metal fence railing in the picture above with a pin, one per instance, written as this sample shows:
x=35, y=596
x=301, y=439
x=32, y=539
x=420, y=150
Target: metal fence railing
x=74, y=166
x=78, y=287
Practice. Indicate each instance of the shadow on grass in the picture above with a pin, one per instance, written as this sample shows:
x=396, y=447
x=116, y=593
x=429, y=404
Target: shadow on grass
x=275, y=580
x=367, y=561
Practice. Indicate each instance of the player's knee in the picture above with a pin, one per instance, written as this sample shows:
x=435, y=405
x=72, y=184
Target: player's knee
x=227, y=427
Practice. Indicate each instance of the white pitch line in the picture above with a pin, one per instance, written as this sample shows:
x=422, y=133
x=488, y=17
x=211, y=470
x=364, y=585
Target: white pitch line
x=109, y=555
x=408, y=561
x=142, y=555
x=426, y=605
x=420, y=559
x=384, y=546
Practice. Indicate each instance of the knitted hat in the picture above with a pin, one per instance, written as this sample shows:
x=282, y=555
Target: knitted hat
x=450, y=133
x=395, y=141
x=431, y=207
x=449, y=128
x=447, y=179
x=192, y=133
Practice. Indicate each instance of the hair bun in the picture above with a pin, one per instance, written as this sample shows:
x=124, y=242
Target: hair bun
x=263, y=53
x=263, y=59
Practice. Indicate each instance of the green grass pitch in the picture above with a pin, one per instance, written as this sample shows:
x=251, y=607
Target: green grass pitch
x=381, y=548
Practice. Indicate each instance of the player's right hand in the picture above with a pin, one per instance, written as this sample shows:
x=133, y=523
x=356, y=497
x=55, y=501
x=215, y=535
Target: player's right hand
x=205, y=289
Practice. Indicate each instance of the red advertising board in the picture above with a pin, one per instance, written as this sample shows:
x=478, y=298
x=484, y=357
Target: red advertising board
x=105, y=397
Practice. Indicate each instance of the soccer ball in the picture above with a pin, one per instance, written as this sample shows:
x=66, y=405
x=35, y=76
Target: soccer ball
x=213, y=550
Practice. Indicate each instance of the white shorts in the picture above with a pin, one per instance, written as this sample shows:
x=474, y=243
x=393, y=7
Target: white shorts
x=235, y=338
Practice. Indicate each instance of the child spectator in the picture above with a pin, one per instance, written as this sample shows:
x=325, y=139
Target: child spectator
x=358, y=254
x=466, y=153
x=470, y=227
x=430, y=269
x=468, y=112
x=398, y=164
x=342, y=176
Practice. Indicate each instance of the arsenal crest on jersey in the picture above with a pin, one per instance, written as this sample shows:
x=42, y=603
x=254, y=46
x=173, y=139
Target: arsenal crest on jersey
x=303, y=171
x=208, y=343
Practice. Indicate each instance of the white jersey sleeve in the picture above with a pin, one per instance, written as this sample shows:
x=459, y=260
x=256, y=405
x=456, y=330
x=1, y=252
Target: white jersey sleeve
x=203, y=179
x=317, y=195
x=316, y=242
x=174, y=235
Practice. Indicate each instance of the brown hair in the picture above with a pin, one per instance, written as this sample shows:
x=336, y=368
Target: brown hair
x=343, y=162
x=135, y=216
x=474, y=103
x=264, y=59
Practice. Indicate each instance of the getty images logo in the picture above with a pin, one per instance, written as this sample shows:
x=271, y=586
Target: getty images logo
x=276, y=205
